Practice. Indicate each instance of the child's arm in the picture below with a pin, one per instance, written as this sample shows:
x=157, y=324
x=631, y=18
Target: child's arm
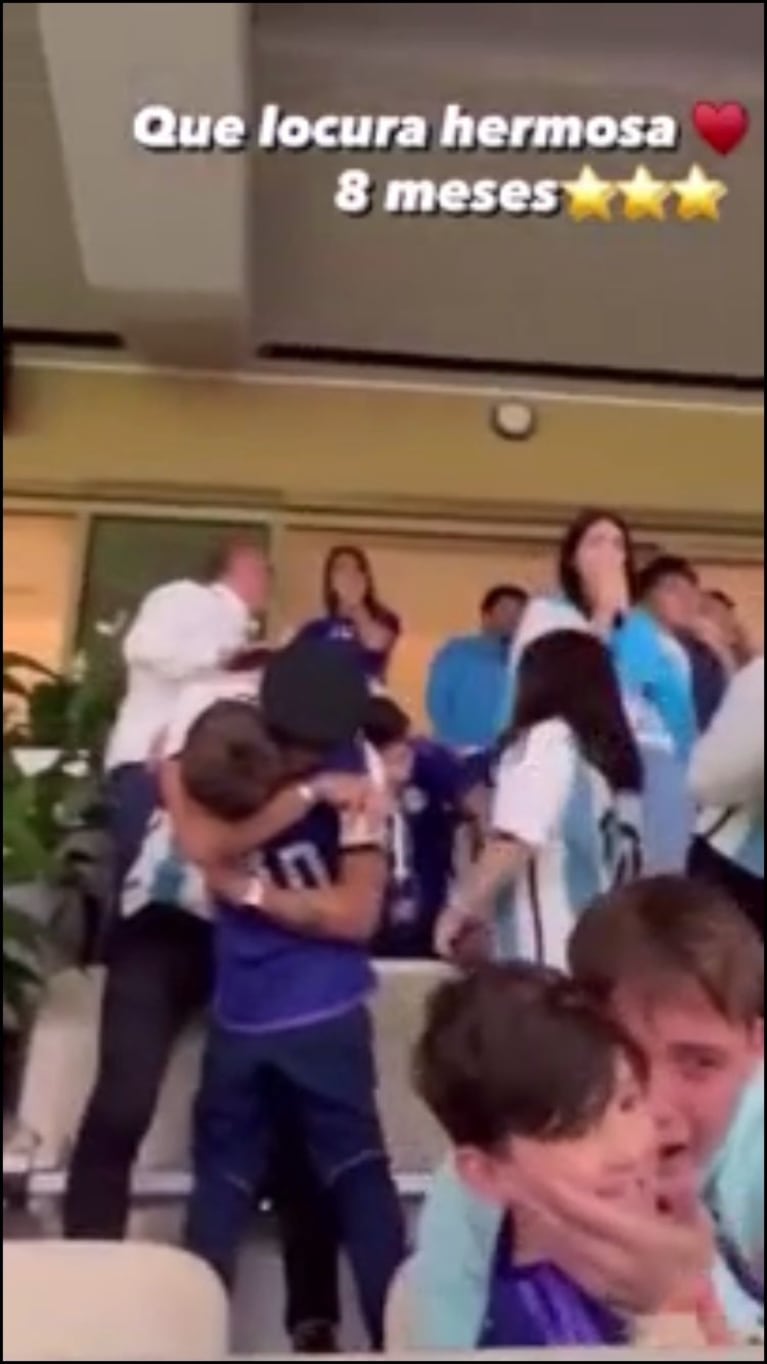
x=500, y=862
x=348, y=909
x=209, y=842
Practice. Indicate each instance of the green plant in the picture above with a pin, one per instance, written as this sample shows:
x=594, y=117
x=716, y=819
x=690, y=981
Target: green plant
x=70, y=712
x=69, y=715
x=25, y=861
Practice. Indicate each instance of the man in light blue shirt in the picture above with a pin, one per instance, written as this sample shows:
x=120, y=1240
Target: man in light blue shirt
x=685, y=975
x=468, y=680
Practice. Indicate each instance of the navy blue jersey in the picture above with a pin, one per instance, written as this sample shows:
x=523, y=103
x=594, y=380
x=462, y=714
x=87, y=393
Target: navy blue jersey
x=421, y=852
x=536, y=1306
x=271, y=978
x=340, y=630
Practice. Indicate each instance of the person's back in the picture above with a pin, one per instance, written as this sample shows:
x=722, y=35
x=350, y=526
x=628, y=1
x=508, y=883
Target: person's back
x=566, y=813
x=587, y=838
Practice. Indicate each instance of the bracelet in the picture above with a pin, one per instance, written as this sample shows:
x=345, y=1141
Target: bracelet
x=307, y=793
x=254, y=895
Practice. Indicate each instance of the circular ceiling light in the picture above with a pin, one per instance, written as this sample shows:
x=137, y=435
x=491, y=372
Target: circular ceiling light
x=513, y=420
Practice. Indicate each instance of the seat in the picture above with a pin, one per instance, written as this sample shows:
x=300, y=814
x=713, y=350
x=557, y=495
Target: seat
x=63, y=1053
x=86, y=1300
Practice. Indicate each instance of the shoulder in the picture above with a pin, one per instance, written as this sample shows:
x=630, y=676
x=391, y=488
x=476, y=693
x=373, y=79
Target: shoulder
x=434, y=763
x=311, y=629
x=180, y=590
x=552, y=738
x=640, y=628
x=543, y=616
x=455, y=650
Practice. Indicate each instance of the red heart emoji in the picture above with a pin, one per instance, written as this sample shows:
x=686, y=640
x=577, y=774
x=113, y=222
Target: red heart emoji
x=722, y=126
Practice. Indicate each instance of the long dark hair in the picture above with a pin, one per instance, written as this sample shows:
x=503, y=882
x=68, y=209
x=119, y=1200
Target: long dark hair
x=570, y=579
x=569, y=675
x=373, y=602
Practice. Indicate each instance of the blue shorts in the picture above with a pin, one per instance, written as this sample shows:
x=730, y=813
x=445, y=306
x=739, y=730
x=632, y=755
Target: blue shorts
x=323, y=1076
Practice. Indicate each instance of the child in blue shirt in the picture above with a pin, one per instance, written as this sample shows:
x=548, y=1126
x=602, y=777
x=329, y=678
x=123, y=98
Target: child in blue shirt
x=291, y=1030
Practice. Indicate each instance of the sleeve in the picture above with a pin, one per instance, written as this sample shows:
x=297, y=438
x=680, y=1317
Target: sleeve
x=439, y=692
x=728, y=763
x=440, y=773
x=737, y=1185
x=646, y=669
x=182, y=631
x=451, y=1269
x=534, y=784
x=477, y=769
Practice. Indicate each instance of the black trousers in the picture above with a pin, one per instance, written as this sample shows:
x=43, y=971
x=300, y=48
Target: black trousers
x=746, y=890
x=159, y=978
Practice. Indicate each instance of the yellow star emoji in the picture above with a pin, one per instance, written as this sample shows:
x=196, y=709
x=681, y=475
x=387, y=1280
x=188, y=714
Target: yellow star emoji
x=645, y=197
x=700, y=197
x=590, y=197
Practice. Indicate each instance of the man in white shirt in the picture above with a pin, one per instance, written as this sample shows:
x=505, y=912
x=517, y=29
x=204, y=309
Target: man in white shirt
x=183, y=632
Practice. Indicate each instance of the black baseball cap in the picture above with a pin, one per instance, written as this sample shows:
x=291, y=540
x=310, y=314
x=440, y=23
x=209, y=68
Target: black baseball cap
x=314, y=694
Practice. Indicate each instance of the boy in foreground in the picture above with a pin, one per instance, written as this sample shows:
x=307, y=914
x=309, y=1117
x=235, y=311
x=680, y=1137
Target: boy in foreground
x=683, y=973
x=568, y=1101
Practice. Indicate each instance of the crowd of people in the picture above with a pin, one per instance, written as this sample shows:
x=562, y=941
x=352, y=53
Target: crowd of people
x=580, y=834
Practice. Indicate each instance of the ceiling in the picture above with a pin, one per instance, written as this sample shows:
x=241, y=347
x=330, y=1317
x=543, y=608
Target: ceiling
x=643, y=298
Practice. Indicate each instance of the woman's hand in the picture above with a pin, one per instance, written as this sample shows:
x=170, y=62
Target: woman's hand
x=352, y=794
x=608, y=587
x=463, y=936
x=632, y=1258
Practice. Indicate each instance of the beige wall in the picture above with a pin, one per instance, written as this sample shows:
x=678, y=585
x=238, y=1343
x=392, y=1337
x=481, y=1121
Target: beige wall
x=39, y=560
x=369, y=449
x=444, y=508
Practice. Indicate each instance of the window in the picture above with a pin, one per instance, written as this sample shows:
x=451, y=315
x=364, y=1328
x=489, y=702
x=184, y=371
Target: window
x=39, y=560
x=129, y=556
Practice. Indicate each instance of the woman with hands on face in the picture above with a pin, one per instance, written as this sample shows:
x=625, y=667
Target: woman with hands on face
x=598, y=594
x=355, y=617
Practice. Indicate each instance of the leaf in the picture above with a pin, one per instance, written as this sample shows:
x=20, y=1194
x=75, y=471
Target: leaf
x=24, y=663
x=12, y=687
x=19, y=927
